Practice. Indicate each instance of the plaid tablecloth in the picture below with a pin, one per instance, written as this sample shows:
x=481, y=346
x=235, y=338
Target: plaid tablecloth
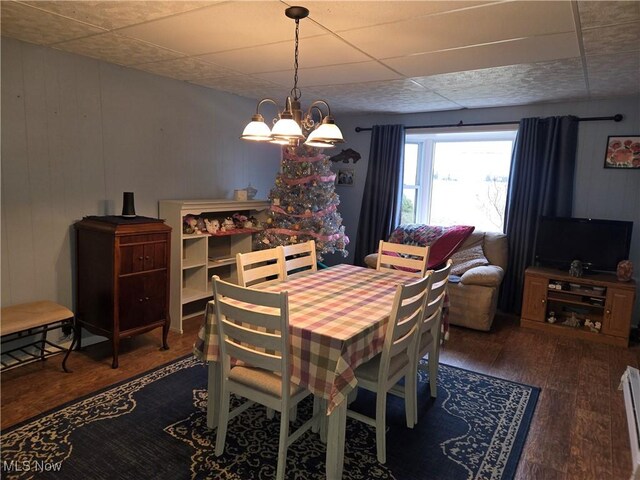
x=337, y=321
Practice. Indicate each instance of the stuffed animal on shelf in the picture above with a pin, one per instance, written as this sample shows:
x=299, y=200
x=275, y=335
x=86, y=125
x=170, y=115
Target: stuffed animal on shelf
x=227, y=224
x=212, y=226
x=239, y=220
x=190, y=225
x=201, y=225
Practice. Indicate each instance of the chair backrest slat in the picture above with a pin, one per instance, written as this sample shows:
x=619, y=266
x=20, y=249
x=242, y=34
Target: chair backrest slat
x=255, y=334
x=260, y=267
x=251, y=314
x=402, y=256
x=300, y=257
x=253, y=357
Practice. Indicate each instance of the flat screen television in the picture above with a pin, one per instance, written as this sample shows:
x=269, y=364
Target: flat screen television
x=598, y=244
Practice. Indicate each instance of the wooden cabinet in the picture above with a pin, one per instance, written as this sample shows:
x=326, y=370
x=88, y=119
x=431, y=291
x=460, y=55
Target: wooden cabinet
x=122, y=277
x=197, y=257
x=554, y=296
x=534, y=303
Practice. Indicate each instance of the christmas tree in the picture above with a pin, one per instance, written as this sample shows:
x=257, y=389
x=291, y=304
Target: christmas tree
x=304, y=204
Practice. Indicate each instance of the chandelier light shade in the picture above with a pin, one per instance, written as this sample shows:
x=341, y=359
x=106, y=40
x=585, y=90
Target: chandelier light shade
x=291, y=127
x=256, y=130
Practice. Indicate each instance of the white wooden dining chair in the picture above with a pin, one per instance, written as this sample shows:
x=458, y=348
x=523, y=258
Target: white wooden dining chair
x=253, y=327
x=397, y=256
x=300, y=258
x=429, y=334
x=383, y=371
x=261, y=267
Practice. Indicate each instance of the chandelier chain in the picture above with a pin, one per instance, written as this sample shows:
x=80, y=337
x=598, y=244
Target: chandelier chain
x=295, y=91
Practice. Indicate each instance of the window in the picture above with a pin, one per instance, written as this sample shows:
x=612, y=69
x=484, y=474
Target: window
x=457, y=178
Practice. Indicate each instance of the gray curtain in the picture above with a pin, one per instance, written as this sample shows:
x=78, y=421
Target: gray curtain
x=381, y=202
x=540, y=183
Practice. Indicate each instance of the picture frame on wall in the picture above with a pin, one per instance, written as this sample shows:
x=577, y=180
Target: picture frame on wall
x=346, y=177
x=623, y=152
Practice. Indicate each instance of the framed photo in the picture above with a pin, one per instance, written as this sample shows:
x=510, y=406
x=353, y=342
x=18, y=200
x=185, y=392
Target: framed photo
x=623, y=152
x=346, y=177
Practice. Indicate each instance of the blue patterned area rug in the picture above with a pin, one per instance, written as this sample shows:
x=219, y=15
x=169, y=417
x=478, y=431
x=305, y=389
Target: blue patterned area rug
x=154, y=427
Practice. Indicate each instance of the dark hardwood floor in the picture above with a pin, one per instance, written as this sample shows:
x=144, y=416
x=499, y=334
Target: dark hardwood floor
x=579, y=430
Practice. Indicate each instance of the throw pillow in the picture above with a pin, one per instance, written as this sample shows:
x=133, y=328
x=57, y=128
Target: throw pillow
x=446, y=246
x=468, y=258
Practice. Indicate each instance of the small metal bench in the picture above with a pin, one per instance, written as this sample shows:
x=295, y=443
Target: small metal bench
x=32, y=320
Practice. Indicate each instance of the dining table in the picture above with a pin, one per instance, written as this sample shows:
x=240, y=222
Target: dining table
x=337, y=321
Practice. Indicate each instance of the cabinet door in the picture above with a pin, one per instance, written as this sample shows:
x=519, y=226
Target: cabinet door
x=155, y=291
x=132, y=304
x=142, y=257
x=534, y=303
x=143, y=299
x=617, y=312
x=131, y=259
x=155, y=256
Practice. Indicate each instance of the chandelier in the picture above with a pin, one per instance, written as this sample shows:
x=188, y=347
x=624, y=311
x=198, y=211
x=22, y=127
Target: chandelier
x=291, y=127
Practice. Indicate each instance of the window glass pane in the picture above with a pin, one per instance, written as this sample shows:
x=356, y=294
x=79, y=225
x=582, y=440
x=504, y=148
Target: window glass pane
x=410, y=163
x=470, y=183
x=408, y=214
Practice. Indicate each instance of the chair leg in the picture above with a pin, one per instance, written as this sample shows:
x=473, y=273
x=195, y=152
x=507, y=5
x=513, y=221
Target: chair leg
x=381, y=426
x=411, y=396
x=433, y=371
x=353, y=394
x=293, y=414
x=270, y=413
x=223, y=420
x=282, y=447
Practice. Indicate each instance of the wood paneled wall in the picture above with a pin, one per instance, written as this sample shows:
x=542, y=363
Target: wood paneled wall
x=77, y=132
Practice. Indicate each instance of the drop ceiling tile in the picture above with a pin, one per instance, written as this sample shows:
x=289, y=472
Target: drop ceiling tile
x=113, y=48
x=115, y=14
x=614, y=74
x=333, y=74
x=186, y=68
x=314, y=52
x=523, y=50
x=624, y=38
x=35, y=26
x=392, y=96
x=244, y=85
x=492, y=23
x=347, y=15
x=221, y=27
x=597, y=14
x=511, y=85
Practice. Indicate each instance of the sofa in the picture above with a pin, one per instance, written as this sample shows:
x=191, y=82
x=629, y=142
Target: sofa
x=479, y=263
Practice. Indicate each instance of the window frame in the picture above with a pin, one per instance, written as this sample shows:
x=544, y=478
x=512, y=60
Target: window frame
x=427, y=141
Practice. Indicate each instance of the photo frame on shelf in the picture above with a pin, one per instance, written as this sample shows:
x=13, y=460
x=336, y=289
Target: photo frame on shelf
x=623, y=152
x=346, y=177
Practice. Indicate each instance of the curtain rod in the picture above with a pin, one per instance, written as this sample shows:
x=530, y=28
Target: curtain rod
x=616, y=118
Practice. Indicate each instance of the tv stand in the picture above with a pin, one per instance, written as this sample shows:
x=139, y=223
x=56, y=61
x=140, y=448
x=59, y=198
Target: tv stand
x=579, y=304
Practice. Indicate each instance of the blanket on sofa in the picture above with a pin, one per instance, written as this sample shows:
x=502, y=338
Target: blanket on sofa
x=443, y=241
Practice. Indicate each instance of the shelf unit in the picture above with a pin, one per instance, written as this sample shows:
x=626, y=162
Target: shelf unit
x=197, y=257
x=599, y=297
